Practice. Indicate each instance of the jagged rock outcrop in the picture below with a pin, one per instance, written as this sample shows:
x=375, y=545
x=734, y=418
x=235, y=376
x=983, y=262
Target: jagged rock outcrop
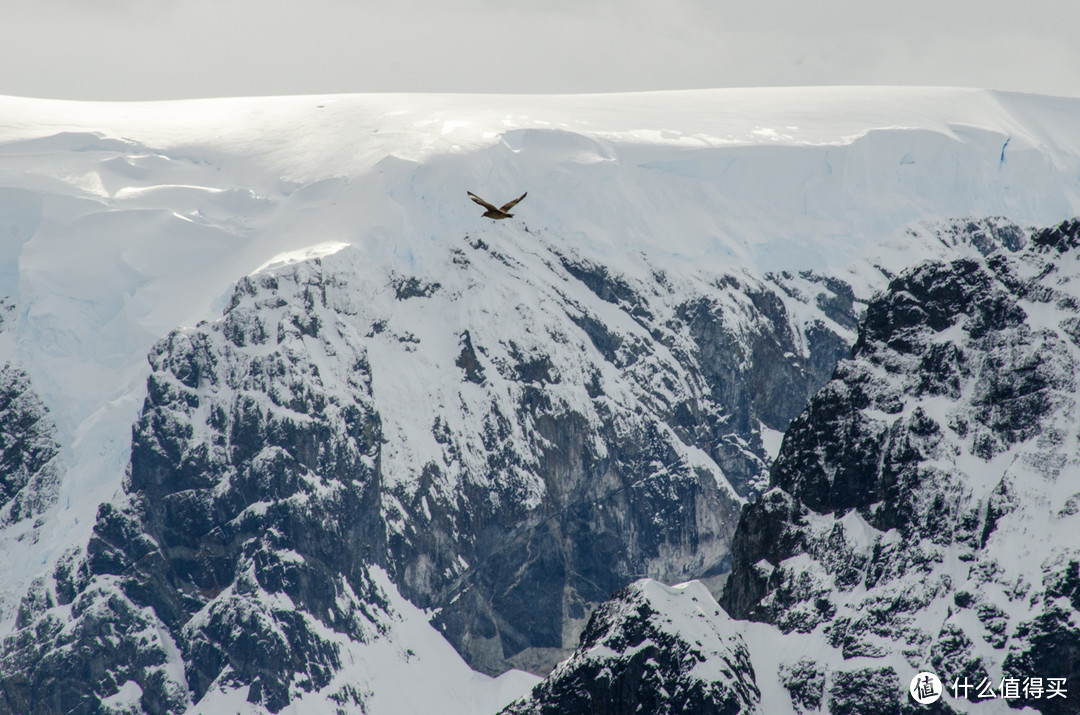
x=30, y=463
x=239, y=553
x=29, y=453
x=652, y=648
x=919, y=514
x=986, y=235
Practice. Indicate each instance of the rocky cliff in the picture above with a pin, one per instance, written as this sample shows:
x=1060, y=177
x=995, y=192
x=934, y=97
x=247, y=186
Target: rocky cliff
x=921, y=510
x=920, y=515
x=31, y=465
x=508, y=464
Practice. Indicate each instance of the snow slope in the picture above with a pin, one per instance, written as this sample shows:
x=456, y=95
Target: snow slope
x=121, y=222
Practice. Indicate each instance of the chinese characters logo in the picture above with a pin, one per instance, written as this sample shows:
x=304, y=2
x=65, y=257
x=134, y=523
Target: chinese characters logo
x=925, y=688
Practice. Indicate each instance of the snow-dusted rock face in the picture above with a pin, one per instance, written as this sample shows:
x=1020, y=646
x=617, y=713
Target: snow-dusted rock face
x=29, y=454
x=656, y=649
x=923, y=509
x=512, y=444
x=30, y=462
x=240, y=549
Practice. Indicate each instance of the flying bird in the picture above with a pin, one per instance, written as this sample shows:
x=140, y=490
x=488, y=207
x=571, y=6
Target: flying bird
x=493, y=212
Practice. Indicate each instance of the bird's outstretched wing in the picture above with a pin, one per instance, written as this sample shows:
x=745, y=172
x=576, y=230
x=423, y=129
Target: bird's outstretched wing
x=510, y=205
x=483, y=203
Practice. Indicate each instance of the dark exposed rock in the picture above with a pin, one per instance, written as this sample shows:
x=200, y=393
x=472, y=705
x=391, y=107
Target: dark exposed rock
x=607, y=287
x=606, y=342
x=269, y=497
x=763, y=371
x=749, y=356
x=769, y=530
x=1047, y=645
x=570, y=548
x=987, y=235
x=934, y=296
x=29, y=453
x=413, y=287
x=805, y=683
x=469, y=362
x=1063, y=237
x=31, y=469
x=868, y=691
x=523, y=570
x=838, y=303
x=877, y=484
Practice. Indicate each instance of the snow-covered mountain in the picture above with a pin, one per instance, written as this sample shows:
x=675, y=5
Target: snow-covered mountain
x=920, y=518
x=290, y=422
x=923, y=508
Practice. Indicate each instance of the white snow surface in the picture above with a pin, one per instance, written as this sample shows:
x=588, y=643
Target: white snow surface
x=122, y=221
x=406, y=668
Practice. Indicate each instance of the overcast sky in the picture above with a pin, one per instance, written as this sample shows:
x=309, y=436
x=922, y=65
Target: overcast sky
x=163, y=49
